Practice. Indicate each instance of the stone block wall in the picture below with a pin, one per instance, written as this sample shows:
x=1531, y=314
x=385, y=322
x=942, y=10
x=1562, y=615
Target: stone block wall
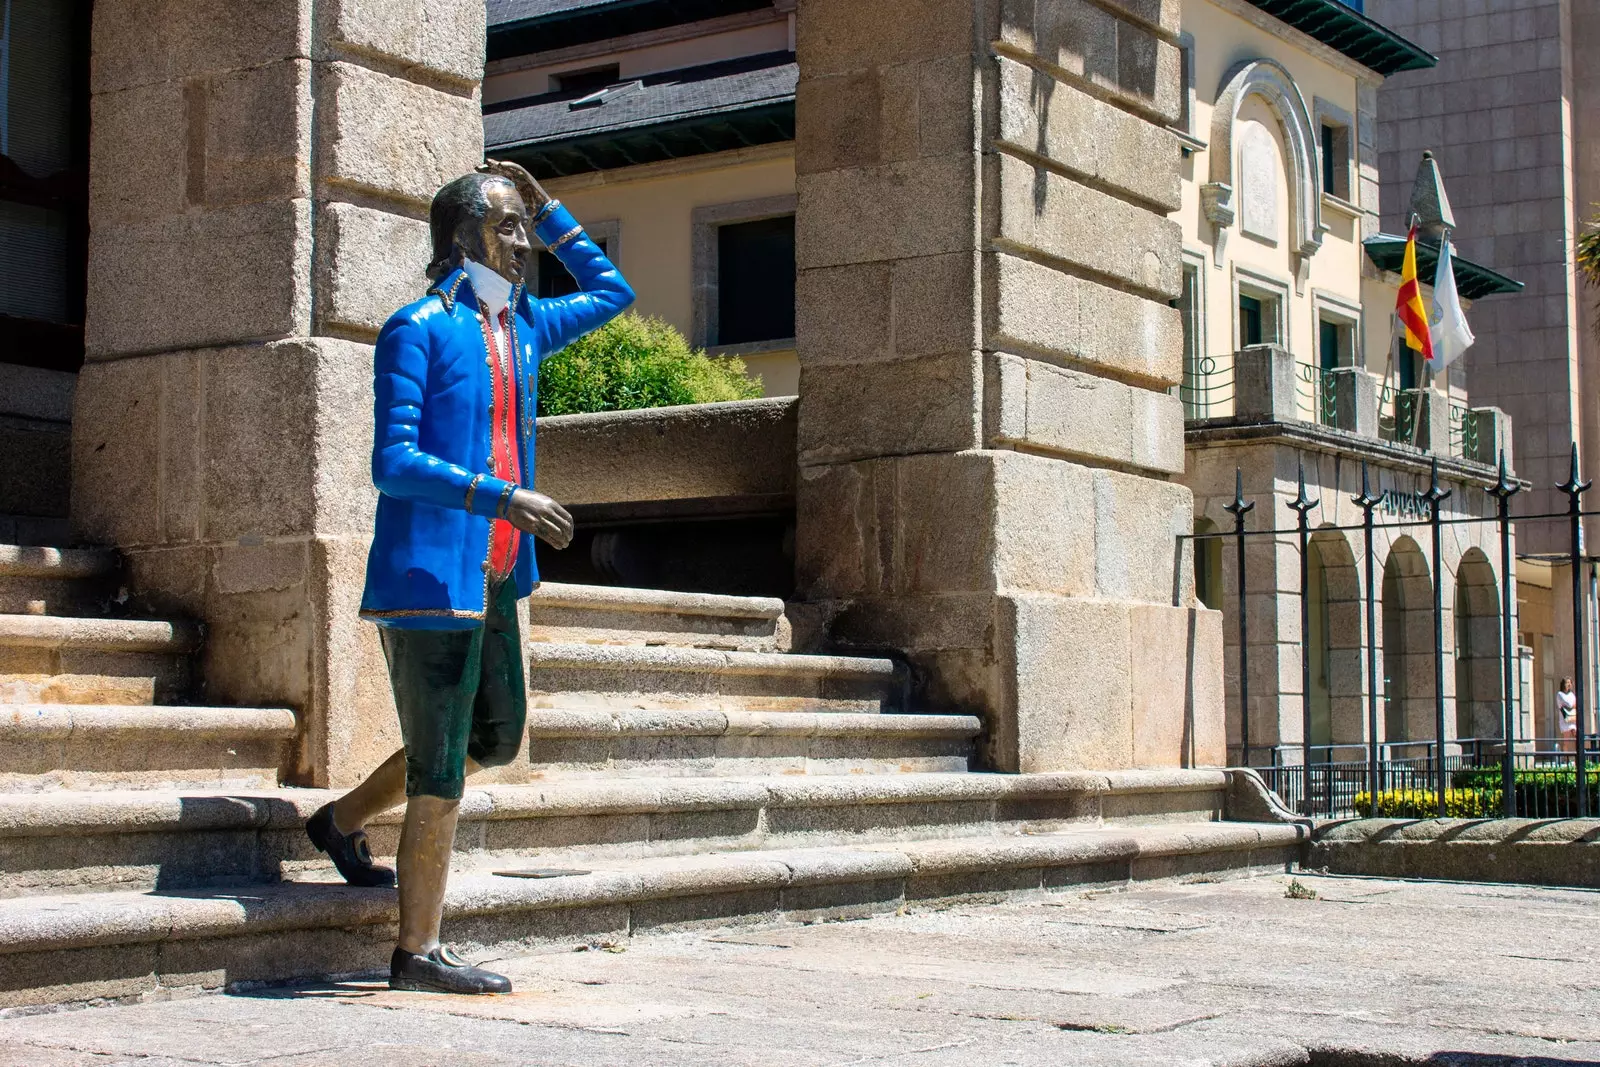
x=258, y=199
x=985, y=436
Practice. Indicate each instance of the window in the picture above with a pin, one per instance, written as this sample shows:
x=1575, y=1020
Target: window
x=1336, y=161
x=1194, y=391
x=743, y=275
x=44, y=54
x=1249, y=321
x=1335, y=343
x=1258, y=309
x=585, y=81
x=1335, y=149
x=755, y=281
x=1405, y=365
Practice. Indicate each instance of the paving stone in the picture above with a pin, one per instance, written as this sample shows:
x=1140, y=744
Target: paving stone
x=1230, y=973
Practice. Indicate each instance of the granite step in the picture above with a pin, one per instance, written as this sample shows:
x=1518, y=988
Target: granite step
x=77, y=947
x=610, y=742
x=117, y=746
x=50, y=659
x=98, y=841
x=36, y=580
x=596, y=614
x=580, y=675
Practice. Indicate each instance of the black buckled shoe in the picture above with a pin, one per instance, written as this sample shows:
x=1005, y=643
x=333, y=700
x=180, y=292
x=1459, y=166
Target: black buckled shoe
x=349, y=852
x=442, y=971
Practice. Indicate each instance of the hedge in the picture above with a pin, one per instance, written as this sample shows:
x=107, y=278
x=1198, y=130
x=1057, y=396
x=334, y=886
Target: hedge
x=637, y=362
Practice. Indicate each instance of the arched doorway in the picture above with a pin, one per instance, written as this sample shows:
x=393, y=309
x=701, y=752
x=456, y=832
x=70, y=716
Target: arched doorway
x=1333, y=643
x=1480, y=694
x=1407, y=645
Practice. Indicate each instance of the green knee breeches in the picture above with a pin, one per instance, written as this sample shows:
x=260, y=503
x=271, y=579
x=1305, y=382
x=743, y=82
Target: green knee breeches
x=459, y=693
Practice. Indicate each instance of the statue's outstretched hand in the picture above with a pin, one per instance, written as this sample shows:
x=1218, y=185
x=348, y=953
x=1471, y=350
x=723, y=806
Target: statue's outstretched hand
x=532, y=192
x=540, y=516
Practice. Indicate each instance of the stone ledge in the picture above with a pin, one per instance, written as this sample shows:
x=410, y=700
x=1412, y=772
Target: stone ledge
x=1563, y=852
x=603, y=723
x=657, y=658
x=149, y=811
x=102, y=635
x=33, y=723
x=118, y=919
x=610, y=598
x=742, y=448
x=31, y=561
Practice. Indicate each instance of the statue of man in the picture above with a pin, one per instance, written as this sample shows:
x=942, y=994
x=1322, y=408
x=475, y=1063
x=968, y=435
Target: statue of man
x=456, y=383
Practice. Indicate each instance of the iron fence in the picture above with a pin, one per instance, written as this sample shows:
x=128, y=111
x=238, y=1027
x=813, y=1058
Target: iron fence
x=1440, y=775
x=1544, y=782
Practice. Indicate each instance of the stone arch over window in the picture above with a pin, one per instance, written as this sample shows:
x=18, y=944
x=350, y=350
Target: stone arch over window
x=1269, y=80
x=1333, y=643
x=1479, y=685
x=1407, y=622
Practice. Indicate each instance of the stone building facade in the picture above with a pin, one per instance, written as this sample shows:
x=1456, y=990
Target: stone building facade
x=1512, y=111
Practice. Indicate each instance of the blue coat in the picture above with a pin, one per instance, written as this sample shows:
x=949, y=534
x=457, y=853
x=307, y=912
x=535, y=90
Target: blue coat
x=429, y=562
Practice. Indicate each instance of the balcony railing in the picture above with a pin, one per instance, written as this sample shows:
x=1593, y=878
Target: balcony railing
x=1266, y=383
x=1317, y=394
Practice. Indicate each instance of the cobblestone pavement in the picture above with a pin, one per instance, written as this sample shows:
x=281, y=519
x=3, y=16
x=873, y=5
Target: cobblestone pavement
x=1224, y=973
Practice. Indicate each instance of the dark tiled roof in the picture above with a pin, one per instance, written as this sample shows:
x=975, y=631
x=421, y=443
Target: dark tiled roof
x=1346, y=29
x=1387, y=252
x=522, y=27
x=662, y=116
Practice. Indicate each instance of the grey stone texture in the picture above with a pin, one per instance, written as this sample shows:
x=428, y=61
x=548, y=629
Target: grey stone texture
x=984, y=432
x=239, y=269
x=1195, y=971
x=743, y=449
x=1512, y=115
x=1562, y=852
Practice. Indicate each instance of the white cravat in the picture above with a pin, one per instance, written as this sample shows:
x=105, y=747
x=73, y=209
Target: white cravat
x=492, y=289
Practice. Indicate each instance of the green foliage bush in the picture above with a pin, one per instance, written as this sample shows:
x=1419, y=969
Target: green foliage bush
x=1541, y=791
x=1424, y=804
x=637, y=362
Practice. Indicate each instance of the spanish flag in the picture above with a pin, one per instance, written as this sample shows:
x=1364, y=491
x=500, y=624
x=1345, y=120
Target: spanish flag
x=1408, y=305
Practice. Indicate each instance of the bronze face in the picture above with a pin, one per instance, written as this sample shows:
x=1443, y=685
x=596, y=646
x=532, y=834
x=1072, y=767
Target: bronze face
x=502, y=234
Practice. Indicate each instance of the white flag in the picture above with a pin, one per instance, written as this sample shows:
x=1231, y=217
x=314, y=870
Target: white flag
x=1451, y=334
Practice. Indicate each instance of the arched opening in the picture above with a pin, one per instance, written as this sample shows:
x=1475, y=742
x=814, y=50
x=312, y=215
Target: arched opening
x=1208, y=564
x=1333, y=643
x=1407, y=645
x=1480, y=690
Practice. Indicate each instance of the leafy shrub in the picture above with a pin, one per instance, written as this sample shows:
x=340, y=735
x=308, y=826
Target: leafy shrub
x=637, y=362
x=1424, y=804
x=1540, y=791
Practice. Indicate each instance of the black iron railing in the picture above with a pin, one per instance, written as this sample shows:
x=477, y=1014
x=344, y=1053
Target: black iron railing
x=1443, y=773
x=1544, y=781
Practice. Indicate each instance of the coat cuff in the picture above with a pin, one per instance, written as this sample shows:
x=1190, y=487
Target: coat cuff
x=558, y=228
x=487, y=496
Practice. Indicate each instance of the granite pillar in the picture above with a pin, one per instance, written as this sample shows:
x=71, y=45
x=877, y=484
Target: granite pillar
x=986, y=439
x=258, y=201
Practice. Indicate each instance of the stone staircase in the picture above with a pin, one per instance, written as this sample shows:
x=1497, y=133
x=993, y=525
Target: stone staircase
x=91, y=701
x=683, y=761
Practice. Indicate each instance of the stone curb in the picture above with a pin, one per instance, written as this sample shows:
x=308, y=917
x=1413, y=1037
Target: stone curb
x=676, y=660
x=1553, y=852
x=33, y=723
x=39, y=924
x=141, y=811
x=608, y=723
x=29, y=561
x=654, y=601
x=104, y=635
